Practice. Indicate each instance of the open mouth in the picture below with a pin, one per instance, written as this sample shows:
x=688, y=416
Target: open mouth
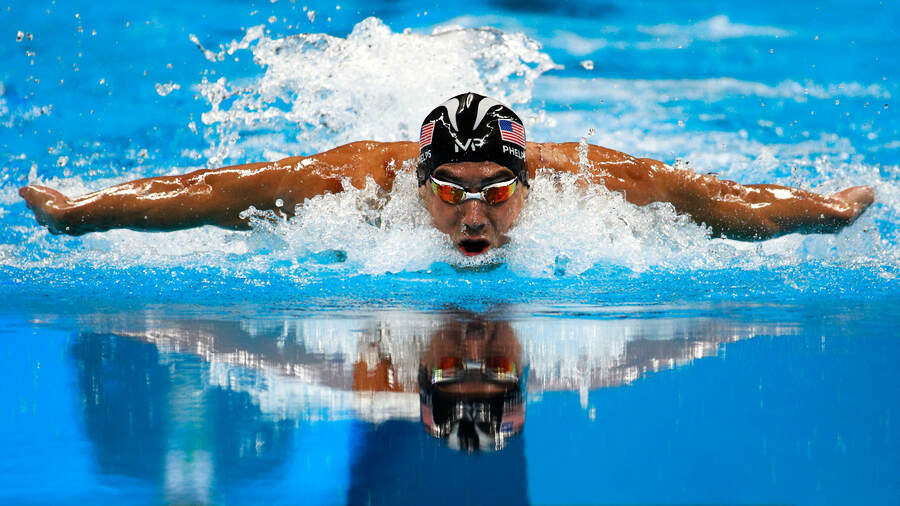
x=472, y=247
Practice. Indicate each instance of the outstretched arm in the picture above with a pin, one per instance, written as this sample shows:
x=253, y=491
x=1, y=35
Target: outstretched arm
x=217, y=197
x=730, y=209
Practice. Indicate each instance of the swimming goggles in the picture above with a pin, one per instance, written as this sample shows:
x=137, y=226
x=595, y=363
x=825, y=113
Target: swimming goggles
x=491, y=194
x=496, y=368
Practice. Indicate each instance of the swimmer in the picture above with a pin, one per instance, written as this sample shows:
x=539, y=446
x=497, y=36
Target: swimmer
x=473, y=166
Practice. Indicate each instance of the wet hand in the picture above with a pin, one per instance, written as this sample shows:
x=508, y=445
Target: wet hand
x=49, y=207
x=858, y=198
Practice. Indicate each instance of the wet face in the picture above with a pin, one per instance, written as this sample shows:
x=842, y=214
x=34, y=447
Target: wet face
x=474, y=225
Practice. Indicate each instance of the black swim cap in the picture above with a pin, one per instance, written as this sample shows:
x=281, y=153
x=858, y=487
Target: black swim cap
x=472, y=128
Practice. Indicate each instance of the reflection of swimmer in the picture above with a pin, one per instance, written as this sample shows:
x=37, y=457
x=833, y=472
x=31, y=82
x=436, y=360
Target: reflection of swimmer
x=473, y=168
x=369, y=367
x=470, y=385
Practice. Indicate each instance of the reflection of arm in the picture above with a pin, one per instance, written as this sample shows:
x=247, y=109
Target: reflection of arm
x=228, y=342
x=380, y=378
x=217, y=197
x=745, y=212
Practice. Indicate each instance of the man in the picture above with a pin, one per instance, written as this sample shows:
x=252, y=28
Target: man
x=473, y=167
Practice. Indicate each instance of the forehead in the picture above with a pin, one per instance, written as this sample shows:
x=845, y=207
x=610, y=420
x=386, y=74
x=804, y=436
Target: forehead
x=472, y=171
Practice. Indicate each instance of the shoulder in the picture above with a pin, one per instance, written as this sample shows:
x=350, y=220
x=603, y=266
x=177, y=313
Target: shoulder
x=379, y=160
x=360, y=160
x=565, y=156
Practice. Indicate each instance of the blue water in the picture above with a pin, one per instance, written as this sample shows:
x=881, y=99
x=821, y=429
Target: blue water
x=663, y=365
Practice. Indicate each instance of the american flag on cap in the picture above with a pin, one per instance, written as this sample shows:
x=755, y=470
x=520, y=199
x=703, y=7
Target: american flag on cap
x=511, y=131
x=425, y=135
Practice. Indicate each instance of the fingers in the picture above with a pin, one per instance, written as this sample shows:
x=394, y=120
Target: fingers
x=41, y=196
x=859, y=196
x=47, y=204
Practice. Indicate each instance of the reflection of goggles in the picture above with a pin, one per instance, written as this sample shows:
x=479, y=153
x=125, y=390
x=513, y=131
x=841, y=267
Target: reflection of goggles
x=491, y=194
x=494, y=368
x=474, y=420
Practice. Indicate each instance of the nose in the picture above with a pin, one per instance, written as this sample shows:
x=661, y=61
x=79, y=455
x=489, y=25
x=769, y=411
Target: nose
x=474, y=218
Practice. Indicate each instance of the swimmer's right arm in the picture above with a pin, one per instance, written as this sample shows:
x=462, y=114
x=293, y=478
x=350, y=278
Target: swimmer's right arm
x=217, y=196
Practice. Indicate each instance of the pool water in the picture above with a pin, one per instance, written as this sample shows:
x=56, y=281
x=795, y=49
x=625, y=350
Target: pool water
x=654, y=363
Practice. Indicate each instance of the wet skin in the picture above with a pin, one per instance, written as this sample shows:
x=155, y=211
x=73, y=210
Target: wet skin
x=474, y=226
x=218, y=196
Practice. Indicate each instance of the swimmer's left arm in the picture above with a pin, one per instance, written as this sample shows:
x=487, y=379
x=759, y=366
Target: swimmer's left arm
x=756, y=211
x=730, y=209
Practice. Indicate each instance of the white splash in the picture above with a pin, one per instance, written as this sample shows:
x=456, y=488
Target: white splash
x=326, y=91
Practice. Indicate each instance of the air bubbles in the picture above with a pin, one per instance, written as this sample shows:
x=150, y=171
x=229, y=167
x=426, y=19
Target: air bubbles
x=20, y=35
x=311, y=15
x=273, y=19
x=587, y=64
x=164, y=89
x=62, y=161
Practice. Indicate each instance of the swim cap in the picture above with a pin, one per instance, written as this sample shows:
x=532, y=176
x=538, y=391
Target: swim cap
x=471, y=128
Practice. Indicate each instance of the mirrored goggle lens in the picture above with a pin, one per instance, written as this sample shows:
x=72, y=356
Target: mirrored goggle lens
x=448, y=193
x=451, y=364
x=500, y=365
x=494, y=367
x=497, y=194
